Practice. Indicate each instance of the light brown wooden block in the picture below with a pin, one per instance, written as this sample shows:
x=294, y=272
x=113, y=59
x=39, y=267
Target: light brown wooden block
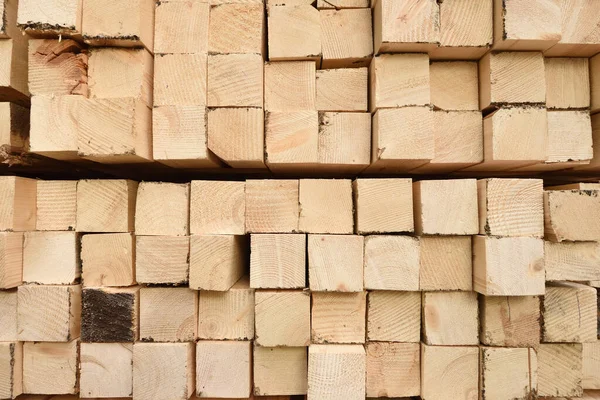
x=394, y=316
x=406, y=26
x=163, y=370
x=235, y=80
x=51, y=258
x=162, y=259
x=50, y=368
x=180, y=79
x=341, y=4
x=595, y=83
x=114, y=130
x=53, y=17
x=125, y=23
x=106, y=205
x=294, y=32
x=57, y=67
x=56, y=205
x=450, y=318
x=343, y=89
x=282, y=318
x=579, y=22
x=391, y=263
x=217, y=207
x=567, y=82
x=494, y=257
x=236, y=28
x=216, y=261
x=511, y=207
x=18, y=210
x=571, y=215
x=510, y=321
x=344, y=142
x=594, y=164
x=278, y=261
x=11, y=369
x=13, y=65
x=403, y=139
x=181, y=28
x=507, y=373
x=466, y=29
x=280, y=371
x=525, y=25
x=393, y=369
x=115, y=73
x=317, y=197
x=572, y=261
x=383, y=205
x=562, y=301
x=511, y=77
x=272, y=206
x=399, y=80
x=346, y=39
x=591, y=365
x=168, y=314
x=559, y=369
x=514, y=137
x=228, y=314
x=454, y=85
x=445, y=207
x=11, y=264
x=338, y=317
x=106, y=370
x=575, y=186
x=217, y=362
x=14, y=127
x=8, y=315
x=336, y=372
x=236, y=136
x=49, y=313
x=569, y=139
x=108, y=259
x=335, y=263
x=54, y=128
x=449, y=372
x=445, y=263
x=162, y=209
x=290, y=86
x=292, y=140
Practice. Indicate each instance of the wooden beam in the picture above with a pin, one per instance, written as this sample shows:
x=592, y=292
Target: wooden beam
x=13, y=68
x=51, y=258
x=292, y=140
x=317, y=197
x=14, y=128
x=340, y=4
x=168, y=314
x=343, y=89
x=393, y=369
x=510, y=321
x=11, y=369
x=56, y=205
x=290, y=86
x=216, y=261
x=235, y=80
x=217, y=362
x=278, y=261
x=335, y=263
x=570, y=215
x=106, y=205
x=338, y=317
x=110, y=315
x=162, y=208
x=272, y=206
x=11, y=265
x=173, y=84
x=391, y=263
x=280, y=371
x=346, y=38
x=595, y=83
x=50, y=18
x=50, y=368
x=394, y=316
x=567, y=83
x=162, y=259
x=282, y=318
x=237, y=28
x=580, y=37
x=572, y=261
x=508, y=373
x=445, y=263
x=563, y=300
x=172, y=18
x=8, y=315
x=109, y=259
x=560, y=369
x=336, y=371
x=449, y=371
x=217, y=207
x=591, y=365
x=454, y=85
x=441, y=310
x=105, y=370
x=18, y=210
x=294, y=32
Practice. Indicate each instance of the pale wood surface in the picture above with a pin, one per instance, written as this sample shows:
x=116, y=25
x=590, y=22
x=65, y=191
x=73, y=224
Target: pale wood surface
x=317, y=199
x=595, y=83
x=181, y=27
x=560, y=369
x=108, y=259
x=569, y=136
x=340, y=4
x=391, y=263
x=344, y=142
x=509, y=266
x=454, y=85
x=278, y=261
x=449, y=372
x=511, y=207
x=106, y=370
x=335, y=263
x=506, y=373
x=236, y=28
x=52, y=16
x=228, y=314
x=49, y=313
x=8, y=315
x=567, y=82
x=466, y=25
x=51, y=258
x=290, y=86
x=291, y=139
x=56, y=205
x=11, y=262
x=445, y=263
x=235, y=80
x=217, y=207
x=54, y=126
x=383, y=205
x=562, y=303
x=510, y=321
x=282, y=318
x=571, y=215
x=162, y=209
x=294, y=32
x=163, y=370
x=168, y=314
x=50, y=368
x=162, y=259
x=336, y=372
x=338, y=317
x=272, y=206
x=572, y=261
x=216, y=261
x=343, y=89
x=11, y=369
x=281, y=371
x=346, y=39
x=591, y=365
x=14, y=127
x=393, y=369
x=394, y=316
x=217, y=363
x=173, y=84
x=580, y=36
x=18, y=210
x=13, y=69
x=450, y=318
